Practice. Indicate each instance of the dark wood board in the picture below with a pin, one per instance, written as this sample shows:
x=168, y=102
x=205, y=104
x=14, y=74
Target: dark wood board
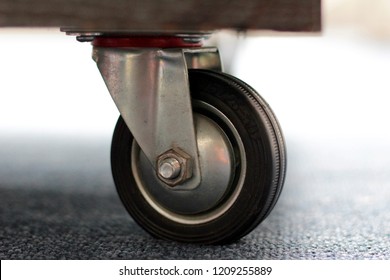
x=164, y=15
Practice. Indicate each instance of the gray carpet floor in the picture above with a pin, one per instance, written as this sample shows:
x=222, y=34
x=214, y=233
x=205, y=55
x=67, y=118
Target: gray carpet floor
x=58, y=201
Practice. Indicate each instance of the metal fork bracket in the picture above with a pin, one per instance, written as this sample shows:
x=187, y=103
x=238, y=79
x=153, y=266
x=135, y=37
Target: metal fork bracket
x=150, y=87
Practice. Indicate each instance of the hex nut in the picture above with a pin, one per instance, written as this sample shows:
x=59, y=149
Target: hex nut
x=185, y=163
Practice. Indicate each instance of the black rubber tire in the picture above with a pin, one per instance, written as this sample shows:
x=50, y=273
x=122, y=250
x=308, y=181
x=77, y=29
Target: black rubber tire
x=265, y=160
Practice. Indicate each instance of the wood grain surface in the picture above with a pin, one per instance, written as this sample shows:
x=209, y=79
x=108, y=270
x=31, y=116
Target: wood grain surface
x=163, y=15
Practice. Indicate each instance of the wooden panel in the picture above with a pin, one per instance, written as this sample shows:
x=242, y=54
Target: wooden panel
x=165, y=15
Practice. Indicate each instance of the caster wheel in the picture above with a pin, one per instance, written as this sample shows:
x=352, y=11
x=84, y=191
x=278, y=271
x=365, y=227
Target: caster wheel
x=243, y=163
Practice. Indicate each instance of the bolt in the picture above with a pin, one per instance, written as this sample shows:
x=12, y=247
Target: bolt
x=85, y=38
x=174, y=167
x=169, y=168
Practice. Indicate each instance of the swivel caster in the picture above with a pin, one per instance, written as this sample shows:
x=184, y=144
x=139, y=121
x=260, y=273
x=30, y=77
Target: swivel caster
x=197, y=155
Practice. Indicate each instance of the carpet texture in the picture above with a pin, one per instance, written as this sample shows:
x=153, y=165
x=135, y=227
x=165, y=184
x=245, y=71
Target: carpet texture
x=58, y=201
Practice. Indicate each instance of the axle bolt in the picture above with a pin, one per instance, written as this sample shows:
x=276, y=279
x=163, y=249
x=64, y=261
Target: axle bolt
x=174, y=167
x=169, y=168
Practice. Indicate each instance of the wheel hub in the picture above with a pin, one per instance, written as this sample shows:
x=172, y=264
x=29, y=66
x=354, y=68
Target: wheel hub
x=217, y=160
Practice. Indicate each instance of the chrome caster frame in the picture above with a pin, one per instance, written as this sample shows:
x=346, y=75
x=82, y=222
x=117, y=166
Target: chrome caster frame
x=151, y=90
